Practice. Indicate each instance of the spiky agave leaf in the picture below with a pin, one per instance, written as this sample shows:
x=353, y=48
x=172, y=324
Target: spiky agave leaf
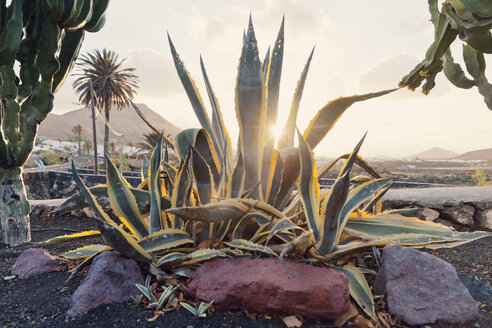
x=286, y=139
x=156, y=220
x=359, y=289
x=100, y=192
x=308, y=187
x=250, y=109
x=123, y=203
x=327, y=116
x=85, y=251
x=71, y=237
x=272, y=81
x=165, y=239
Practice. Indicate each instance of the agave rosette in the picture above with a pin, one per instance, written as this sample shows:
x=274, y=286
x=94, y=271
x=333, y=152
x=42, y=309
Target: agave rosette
x=262, y=199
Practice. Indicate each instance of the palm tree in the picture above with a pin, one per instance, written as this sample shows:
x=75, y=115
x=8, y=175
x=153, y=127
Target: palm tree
x=77, y=130
x=102, y=75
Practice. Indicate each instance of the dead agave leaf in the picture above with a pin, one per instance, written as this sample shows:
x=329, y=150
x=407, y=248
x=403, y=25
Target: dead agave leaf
x=352, y=312
x=154, y=318
x=292, y=321
x=209, y=243
x=362, y=322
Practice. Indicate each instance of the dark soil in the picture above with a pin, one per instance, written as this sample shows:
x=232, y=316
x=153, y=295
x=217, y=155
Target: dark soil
x=42, y=301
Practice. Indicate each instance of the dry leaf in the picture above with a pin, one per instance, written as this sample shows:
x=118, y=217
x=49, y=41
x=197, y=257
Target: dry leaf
x=362, y=322
x=154, y=318
x=209, y=243
x=352, y=312
x=292, y=321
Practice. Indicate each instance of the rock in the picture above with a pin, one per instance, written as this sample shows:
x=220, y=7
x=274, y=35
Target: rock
x=483, y=219
x=428, y=214
x=35, y=261
x=445, y=222
x=479, y=290
x=460, y=214
x=266, y=286
x=111, y=278
x=423, y=288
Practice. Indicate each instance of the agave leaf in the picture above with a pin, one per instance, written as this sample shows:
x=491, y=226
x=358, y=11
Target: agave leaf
x=85, y=251
x=142, y=116
x=265, y=63
x=262, y=206
x=144, y=170
x=201, y=140
x=250, y=109
x=146, y=292
x=100, y=192
x=189, y=308
x=89, y=198
x=122, y=242
x=218, y=125
x=203, y=177
x=169, y=258
x=123, y=203
x=404, y=239
x=358, y=160
x=377, y=199
x=403, y=211
x=165, y=239
x=193, y=94
x=464, y=237
x=226, y=209
x=359, y=289
x=281, y=225
x=250, y=246
x=309, y=187
x=355, y=198
x=289, y=175
x=235, y=185
x=157, y=222
x=330, y=214
x=202, y=255
x=286, y=139
x=274, y=177
x=273, y=86
x=71, y=237
x=327, y=116
x=246, y=220
x=182, y=190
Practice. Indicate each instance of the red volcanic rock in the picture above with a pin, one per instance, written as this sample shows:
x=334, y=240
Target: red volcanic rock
x=266, y=286
x=35, y=261
x=423, y=288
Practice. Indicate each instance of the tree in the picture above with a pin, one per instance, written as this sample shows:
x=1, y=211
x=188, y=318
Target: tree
x=39, y=43
x=77, y=130
x=103, y=78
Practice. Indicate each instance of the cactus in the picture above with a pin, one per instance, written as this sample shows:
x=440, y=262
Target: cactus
x=43, y=38
x=471, y=22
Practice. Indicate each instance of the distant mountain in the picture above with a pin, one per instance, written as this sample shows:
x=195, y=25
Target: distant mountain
x=125, y=121
x=435, y=153
x=481, y=154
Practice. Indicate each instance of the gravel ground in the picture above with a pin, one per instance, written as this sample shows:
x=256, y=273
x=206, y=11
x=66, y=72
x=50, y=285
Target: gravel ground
x=42, y=301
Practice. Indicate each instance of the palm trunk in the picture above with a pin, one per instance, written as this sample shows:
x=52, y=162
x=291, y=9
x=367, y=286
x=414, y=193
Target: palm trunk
x=14, y=208
x=80, y=146
x=94, y=137
x=107, y=108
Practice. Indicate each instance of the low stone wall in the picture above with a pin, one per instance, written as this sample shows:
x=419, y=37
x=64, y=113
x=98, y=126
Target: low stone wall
x=52, y=184
x=461, y=207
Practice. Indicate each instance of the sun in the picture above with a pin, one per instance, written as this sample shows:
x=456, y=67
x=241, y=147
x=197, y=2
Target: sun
x=276, y=131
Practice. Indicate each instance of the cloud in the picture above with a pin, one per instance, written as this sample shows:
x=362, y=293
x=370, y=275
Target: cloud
x=156, y=72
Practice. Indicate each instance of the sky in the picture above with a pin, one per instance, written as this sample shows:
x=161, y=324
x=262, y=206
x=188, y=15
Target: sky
x=361, y=46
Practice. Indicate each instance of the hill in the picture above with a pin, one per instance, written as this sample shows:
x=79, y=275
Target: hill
x=481, y=154
x=435, y=153
x=125, y=121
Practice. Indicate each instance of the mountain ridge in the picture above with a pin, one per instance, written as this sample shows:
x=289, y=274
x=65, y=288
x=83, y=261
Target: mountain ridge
x=125, y=121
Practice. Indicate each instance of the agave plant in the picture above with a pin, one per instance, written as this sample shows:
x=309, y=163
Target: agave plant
x=264, y=200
